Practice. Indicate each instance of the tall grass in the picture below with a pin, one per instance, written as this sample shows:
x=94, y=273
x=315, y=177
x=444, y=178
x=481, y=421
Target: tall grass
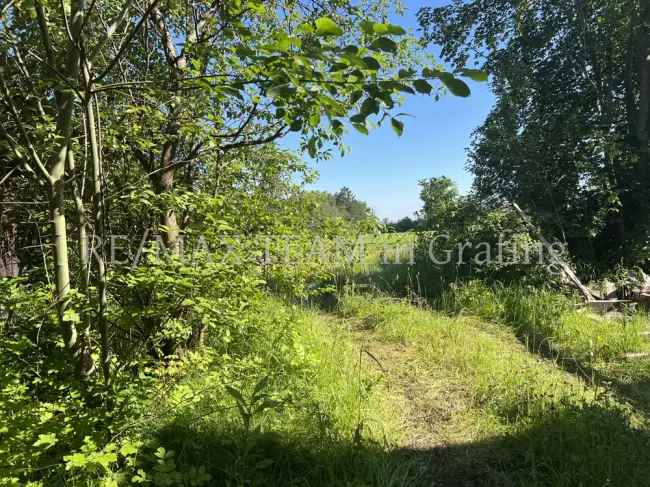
x=549, y=320
x=321, y=424
x=546, y=319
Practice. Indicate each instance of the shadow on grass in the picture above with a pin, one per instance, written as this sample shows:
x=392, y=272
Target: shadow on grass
x=628, y=379
x=570, y=446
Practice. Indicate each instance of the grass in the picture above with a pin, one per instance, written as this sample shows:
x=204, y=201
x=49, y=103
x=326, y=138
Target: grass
x=547, y=322
x=386, y=393
x=321, y=421
x=534, y=424
x=594, y=346
x=330, y=415
x=547, y=318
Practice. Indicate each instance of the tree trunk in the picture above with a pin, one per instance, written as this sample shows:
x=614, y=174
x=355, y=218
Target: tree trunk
x=642, y=132
x=98, y=207
x=166, y=185
x=9, y=264
x=65, y=102
x=61, y=264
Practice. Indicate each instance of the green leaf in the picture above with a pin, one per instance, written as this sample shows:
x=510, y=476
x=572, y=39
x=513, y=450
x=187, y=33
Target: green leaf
x=76, y=460
x=71, y=316
x=422, y=86
x=475, y=74
x=396, y=30
x=264, y=381
x=405, y=73
x=401, y=87
x=361, y=127
x=355, y=60
x=432, y=73
x=380, y=28
x=356, y=96
x=128, y=449
x=236, y=394
x=384, y=44
x=398, y=127
x=282, y=42
x=368, y=27
x=140, y=477
x=314, y=119
x=327, y=27
x=311, y=148
x=105, y=459
x=337, y=127
x=371, y=63
x=387, y=99
x=456, y=86
x=369, y=106
x=280, y=90
x=46, y=440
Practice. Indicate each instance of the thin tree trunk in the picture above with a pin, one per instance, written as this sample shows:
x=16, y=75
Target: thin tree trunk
x=65, y=102
x=642, y=132
x=166, y=185
x=57, y=214
x=98, y=207
x=86, y=363
x=9, y=263
x=177, y=64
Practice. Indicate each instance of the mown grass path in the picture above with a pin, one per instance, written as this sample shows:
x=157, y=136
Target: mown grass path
x=427, y=409
x=476, y=408
x=385, y=394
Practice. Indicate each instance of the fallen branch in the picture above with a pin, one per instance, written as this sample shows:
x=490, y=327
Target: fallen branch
x=584, y=290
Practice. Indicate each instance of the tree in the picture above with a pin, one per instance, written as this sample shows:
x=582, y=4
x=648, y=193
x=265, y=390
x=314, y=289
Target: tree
x=99, y=97
x=342, y=206
x=406, y=224
x=441, y=201
x=353, y=210
x=568, y=136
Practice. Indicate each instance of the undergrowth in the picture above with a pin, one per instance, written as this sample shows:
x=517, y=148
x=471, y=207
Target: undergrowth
x=549, y=319
x=296, y=408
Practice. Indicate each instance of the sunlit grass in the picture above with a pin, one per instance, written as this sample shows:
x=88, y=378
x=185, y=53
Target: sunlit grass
x=326, y=427
x=548, y=427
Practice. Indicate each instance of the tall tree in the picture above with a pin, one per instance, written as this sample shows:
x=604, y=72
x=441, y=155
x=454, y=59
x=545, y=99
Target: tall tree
x=568, y=136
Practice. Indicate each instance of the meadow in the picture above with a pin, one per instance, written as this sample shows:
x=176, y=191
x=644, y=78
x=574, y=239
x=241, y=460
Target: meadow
x=183, y=304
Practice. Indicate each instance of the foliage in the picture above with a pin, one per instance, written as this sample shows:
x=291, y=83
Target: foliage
x=549, y=322
x=567, y=138
x=127, y=118
x=339, y=209
x=405, y=224
x=466, y=238
x=284, y=403
x=46, y=412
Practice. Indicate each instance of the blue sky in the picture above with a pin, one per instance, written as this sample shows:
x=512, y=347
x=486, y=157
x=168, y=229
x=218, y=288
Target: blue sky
x=383, y=169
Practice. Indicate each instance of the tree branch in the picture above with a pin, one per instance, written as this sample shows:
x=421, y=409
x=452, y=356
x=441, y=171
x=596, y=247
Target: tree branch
x=126, y=43
x=45, y=34
x=249, y=143
x=23, y=132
